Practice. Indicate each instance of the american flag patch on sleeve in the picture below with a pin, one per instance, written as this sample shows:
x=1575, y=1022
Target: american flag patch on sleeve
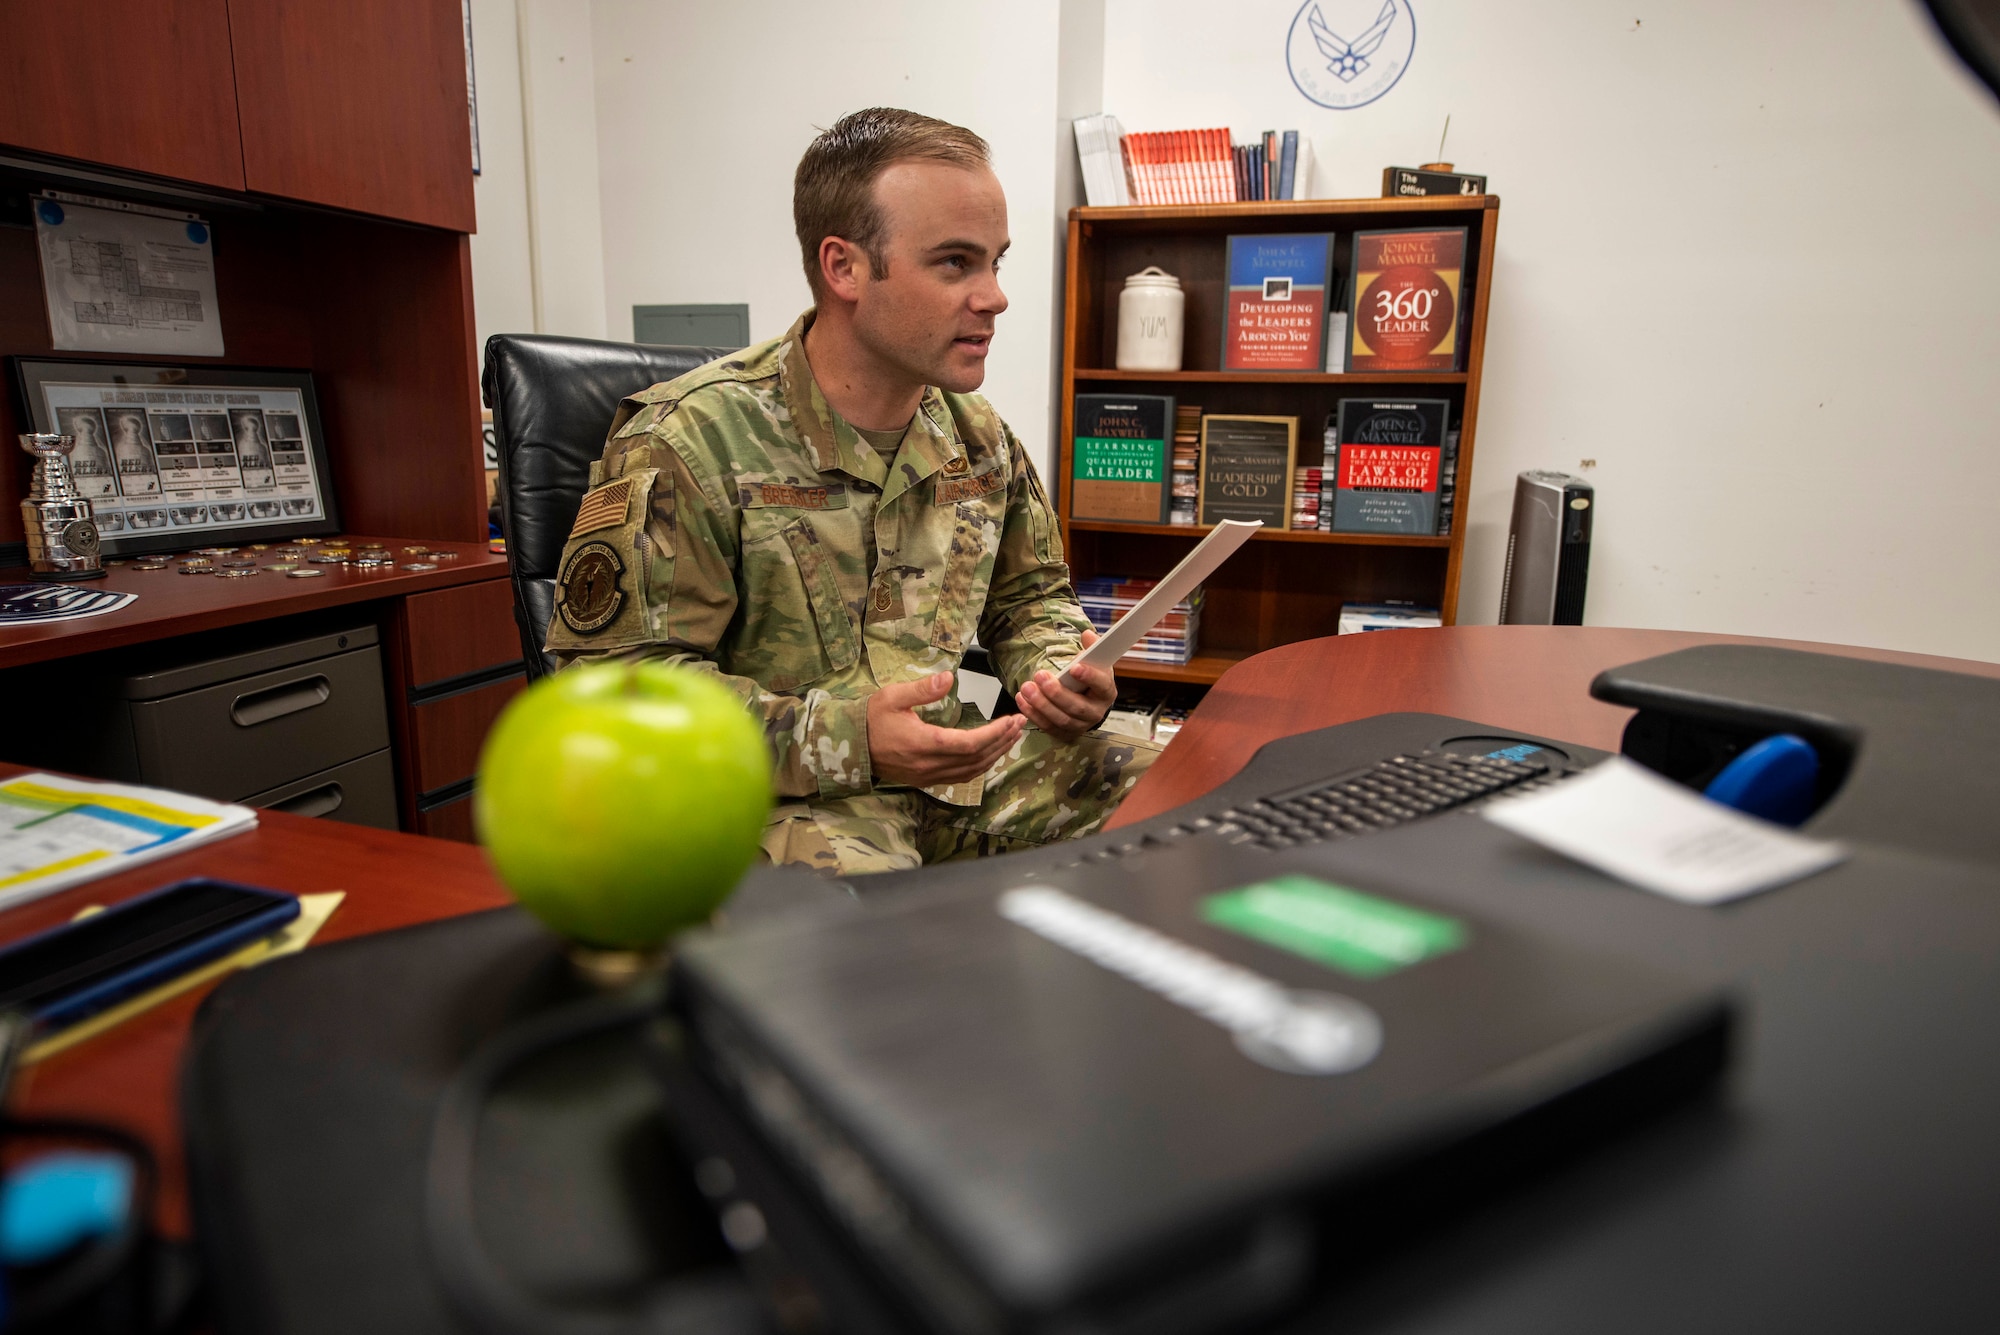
x=602, y=508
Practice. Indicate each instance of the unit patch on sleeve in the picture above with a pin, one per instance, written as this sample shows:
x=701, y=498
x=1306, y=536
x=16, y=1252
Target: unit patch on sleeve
x=587, y=595
x=602, y=508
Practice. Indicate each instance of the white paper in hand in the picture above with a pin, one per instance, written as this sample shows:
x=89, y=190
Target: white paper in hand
x=1628, y=822
x=1195, y=567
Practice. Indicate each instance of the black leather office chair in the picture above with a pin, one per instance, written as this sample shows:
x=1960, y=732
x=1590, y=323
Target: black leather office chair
x=552, y=399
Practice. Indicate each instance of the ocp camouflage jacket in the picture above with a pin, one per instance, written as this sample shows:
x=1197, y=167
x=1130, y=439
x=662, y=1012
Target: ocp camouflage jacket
x=738, y=525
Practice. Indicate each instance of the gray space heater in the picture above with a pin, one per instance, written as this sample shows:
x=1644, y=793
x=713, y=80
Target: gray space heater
x=1548, y=550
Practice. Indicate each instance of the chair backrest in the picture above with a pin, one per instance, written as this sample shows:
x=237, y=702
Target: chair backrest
x=552, y=399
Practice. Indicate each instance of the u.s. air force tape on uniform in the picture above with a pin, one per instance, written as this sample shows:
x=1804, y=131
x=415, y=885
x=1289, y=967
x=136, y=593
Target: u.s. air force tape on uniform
x=587, y=593
x=1286, y=1029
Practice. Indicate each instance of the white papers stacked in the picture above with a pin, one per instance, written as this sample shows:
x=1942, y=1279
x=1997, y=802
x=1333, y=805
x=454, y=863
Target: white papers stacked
x=1098, y=150
x=55, y=832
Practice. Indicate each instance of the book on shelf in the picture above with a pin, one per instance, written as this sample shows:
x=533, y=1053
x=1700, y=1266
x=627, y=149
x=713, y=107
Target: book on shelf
x=1185, y=486
x=1179, y=166
x=1406, y=300
x=1418, y=182
x=1274, y=314
x=1246, y=468
x=1356, y=618
x=1102, y=158
x=1387, y=474
x=1119, y=457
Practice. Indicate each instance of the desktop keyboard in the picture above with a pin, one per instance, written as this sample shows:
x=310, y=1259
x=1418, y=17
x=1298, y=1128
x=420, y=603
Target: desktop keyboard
x=1389, y=793
x=1311, y=788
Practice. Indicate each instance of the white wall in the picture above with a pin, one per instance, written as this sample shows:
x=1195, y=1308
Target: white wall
x=1745, y=261
x=704, y=109
x=502, y=280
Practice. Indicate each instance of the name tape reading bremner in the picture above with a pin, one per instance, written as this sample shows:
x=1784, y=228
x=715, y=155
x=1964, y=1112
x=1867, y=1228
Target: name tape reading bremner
x=1287, y=1029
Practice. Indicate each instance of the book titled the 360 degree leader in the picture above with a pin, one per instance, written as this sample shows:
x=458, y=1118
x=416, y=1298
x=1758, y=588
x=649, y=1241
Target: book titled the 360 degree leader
x=1408, y=301
x=1275, y=316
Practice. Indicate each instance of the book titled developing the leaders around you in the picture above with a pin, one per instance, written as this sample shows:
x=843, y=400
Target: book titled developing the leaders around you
x=1275, y=314
x=1407, y=307
x=1386, y=477
x=1119, y=457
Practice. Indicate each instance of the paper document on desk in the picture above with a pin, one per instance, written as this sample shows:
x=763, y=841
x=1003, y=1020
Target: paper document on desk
x=56, y=832
x=1628, y=822
x=1195, y=567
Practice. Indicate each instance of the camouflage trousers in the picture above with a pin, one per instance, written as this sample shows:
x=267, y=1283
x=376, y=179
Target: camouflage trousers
x=1040, y=792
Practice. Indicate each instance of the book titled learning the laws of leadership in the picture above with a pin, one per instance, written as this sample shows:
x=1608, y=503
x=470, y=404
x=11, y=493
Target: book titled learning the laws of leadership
x=1274, y=317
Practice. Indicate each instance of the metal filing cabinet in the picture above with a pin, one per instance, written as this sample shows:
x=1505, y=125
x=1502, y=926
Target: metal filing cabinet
x=300, y=726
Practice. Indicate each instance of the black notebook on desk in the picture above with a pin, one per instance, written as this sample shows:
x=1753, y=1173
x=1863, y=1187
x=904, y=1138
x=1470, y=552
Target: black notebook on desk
x=1121, y=1097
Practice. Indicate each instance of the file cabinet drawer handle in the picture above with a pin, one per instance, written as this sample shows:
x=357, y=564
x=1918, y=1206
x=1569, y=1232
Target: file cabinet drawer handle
x=321, y=801
x=278, y=701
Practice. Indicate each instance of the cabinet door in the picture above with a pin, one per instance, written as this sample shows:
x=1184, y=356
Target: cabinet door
x=140, y=84
x=357, y=104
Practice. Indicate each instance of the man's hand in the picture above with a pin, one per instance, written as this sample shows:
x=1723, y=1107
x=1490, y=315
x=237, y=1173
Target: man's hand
x=1065, y=714
x=902, y=748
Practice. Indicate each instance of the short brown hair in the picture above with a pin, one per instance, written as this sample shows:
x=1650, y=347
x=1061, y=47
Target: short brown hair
x=833, y=191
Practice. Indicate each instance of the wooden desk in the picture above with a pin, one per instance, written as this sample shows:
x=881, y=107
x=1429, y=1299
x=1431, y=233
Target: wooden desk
x=1528, y=678
x=451, y=655
x=129, y=1076
x=170, y=603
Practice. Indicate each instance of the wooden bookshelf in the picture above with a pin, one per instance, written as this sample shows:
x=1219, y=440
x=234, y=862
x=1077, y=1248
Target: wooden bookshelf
x=1285, y=586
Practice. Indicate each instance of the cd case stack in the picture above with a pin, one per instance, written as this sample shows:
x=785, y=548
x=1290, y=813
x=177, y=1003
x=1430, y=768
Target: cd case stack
x=1305, y=498
x=1107, y=598
x=1186, y=498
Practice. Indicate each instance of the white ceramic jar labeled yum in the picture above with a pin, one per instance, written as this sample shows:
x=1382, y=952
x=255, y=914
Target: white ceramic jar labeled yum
x=1150, y=314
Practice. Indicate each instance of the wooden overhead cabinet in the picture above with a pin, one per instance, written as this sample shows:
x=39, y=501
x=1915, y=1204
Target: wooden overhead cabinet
x=142, y=84
x=357, y=104
x=353, y=104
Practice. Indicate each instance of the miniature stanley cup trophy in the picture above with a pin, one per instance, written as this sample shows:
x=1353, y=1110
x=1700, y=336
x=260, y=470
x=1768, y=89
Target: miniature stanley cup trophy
x=62, y=537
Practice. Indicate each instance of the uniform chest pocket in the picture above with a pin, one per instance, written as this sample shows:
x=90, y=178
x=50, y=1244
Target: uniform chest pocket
x=796, y=628
x=968, y=571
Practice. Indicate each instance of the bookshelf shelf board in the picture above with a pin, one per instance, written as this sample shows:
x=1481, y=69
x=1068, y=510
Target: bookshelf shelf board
x=1269, y=535
x=1204, y=669
x=1276, y=377
x=1289, y=208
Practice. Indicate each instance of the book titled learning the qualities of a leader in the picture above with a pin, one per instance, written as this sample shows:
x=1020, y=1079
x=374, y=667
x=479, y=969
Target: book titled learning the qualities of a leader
x=1120, y=457
x=1275, y=315
x=1387, y=472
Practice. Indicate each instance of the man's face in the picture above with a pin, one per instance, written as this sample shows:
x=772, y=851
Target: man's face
x=931, y=314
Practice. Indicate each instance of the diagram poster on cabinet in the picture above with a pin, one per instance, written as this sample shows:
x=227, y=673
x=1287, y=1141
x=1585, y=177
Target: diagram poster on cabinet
x=127, y=277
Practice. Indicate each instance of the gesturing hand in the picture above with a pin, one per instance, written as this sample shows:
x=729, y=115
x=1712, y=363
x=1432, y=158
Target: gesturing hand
x=902, y=748
x=1065, y=714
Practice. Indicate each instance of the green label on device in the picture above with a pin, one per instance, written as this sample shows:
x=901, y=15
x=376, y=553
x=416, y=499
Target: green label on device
x=1355, y=933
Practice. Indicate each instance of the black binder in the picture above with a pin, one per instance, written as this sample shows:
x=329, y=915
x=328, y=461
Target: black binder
x=1069, y=1105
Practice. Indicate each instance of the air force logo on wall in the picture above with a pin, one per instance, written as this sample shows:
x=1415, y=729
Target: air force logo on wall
x=1344, y=54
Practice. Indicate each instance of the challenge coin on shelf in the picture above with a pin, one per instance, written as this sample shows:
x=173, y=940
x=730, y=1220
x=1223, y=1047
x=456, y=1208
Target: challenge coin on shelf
x=304, y=574
x=420, y=565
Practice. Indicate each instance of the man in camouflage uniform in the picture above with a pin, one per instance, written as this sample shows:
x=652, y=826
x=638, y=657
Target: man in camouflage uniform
x=743, y=521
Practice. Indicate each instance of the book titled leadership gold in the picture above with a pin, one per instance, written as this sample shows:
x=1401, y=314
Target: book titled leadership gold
x=1406, y=311
x=1246, y=468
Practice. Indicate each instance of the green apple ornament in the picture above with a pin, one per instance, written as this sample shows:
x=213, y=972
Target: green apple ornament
x=622, y=802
